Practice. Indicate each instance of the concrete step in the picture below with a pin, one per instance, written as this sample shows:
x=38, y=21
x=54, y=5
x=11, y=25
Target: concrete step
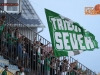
x=13, y=67
x=2, y=60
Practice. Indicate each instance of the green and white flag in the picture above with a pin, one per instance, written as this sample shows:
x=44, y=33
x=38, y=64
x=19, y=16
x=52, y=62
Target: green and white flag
x=68, y=37
x=89, y=34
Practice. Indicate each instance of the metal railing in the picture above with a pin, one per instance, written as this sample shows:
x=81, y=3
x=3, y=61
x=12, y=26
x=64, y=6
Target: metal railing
x=24, y=47
x=82, y=66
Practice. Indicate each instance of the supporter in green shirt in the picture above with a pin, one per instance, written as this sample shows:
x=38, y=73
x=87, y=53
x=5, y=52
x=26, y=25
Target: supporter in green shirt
x=15, y=39
x=72, y=73
x=5, y=71
x=2, y=21
x=39, y=60
x=1, y=28
x=47, y=65
x=10, y=39
x=47, y=62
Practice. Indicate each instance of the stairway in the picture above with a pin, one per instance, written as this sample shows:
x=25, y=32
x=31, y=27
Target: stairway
x=11, y=20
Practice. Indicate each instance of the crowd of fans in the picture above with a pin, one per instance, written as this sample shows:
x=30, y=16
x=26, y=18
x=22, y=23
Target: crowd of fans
x=32, y=54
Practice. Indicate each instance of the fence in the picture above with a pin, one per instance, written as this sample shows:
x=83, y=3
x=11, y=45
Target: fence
x=24, y=47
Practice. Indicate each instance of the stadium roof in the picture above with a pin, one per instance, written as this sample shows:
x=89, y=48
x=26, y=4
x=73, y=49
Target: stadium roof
x=28, y=16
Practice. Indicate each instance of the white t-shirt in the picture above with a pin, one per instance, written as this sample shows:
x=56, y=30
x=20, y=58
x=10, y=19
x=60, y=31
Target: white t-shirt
x=63, y=73
x=55, y=68
x=38, y=49
x=22, y=73
x=42, y=61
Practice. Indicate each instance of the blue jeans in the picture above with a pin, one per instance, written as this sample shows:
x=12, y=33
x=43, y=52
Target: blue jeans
x=47, y=72
x=10, y=47
x=19, y=50
x=10, y=51
x=4, y=43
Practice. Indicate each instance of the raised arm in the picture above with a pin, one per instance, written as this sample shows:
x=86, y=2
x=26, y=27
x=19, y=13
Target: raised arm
x=47, y=44
x=40, y=42
x=34, y=42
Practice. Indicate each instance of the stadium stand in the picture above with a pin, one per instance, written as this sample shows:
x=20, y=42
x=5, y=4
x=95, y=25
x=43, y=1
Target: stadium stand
x=17, y=50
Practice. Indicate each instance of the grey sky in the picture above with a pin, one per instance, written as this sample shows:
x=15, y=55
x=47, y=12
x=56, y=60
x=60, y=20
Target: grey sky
x=74, y=9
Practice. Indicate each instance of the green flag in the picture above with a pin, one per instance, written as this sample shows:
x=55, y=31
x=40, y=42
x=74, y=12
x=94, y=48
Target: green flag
x=68, y=37
x=89, y=34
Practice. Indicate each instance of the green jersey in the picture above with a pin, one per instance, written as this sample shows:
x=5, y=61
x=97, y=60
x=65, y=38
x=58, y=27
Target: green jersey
x=46, y=64
x=39, y=57
x=4, y=72
x=1, y=28
x=15, y=39
x=10, y=39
